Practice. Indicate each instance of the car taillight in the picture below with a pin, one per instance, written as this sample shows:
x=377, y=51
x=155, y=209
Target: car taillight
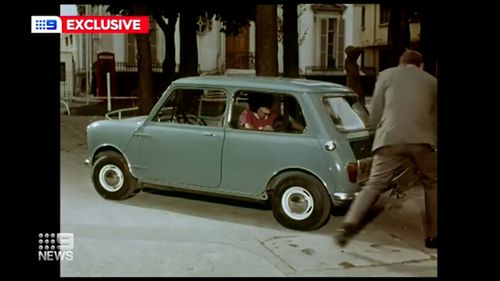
x=352, y=172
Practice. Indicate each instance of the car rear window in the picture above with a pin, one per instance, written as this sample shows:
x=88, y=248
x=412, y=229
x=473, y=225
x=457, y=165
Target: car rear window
x=347, y=112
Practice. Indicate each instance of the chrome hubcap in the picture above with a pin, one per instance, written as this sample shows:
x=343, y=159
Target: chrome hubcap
x=111, y=178
x=297, y=203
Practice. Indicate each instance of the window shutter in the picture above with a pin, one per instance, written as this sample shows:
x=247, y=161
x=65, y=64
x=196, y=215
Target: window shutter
x=340, y=49
x=323, y=51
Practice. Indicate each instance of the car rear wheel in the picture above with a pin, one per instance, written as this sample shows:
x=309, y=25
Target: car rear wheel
x=112, y=178
x=300, y=201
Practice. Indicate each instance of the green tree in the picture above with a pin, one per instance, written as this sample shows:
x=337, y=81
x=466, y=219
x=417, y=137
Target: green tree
x=160, y=13
x=399, y=31
x=144, y=65
x=290, y=40
x=266, y=41
x=188, y=17
x=144, y=69
x=428, y=32
x=188, y=64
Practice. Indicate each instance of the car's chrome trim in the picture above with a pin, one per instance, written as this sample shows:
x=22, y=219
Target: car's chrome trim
x=342, y=196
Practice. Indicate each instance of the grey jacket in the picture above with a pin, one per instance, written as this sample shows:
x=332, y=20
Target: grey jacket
x=404, y=107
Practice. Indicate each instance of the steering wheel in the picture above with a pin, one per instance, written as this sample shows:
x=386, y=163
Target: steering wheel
x=183, y=118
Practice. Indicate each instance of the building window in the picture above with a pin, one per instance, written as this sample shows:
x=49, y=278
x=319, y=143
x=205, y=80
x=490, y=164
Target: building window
x=384, y=13
x=71, y=40
x=363, y=18
x=194, y=107
x=328, y=28
x=329, y=36
x=330, y=45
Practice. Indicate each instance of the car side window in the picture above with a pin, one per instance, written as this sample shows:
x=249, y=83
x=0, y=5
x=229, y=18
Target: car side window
x=271, y=112
x=202, y=107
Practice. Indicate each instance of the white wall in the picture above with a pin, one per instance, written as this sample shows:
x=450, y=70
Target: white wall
x=106, y=43
x=356, y=25
x=348, y=17
x=119, y=47
x=207, y=48
x=251, y=39
x=306, y=49
x=177, y=40
x=352, y=23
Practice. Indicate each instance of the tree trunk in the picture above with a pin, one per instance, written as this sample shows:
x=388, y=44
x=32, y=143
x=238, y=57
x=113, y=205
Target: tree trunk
x=189, y=47
x=145, y=71
x=428, y=38
x=168, y=65
x=398, y=31
x=290, y=41
x=266, y=41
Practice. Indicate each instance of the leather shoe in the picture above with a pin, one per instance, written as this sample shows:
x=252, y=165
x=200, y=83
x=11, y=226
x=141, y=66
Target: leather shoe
x=431, y=242
x=346, y=233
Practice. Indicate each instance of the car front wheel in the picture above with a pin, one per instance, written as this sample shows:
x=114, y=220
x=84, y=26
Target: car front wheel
x=112, y=178
x=300, y=201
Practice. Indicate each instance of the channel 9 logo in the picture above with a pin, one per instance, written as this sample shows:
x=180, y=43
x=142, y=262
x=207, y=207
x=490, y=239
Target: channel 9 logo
x=90, y=24
x=45, y=24
x=55, y=246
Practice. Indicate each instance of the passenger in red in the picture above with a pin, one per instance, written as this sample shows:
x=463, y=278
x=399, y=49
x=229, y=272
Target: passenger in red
x=261, y=119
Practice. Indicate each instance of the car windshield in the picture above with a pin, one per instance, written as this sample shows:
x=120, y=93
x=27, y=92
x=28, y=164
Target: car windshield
x=347, y=112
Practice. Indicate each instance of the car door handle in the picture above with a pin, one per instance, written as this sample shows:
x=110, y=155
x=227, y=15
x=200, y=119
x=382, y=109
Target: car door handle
x=208, y=134
x=142, y=134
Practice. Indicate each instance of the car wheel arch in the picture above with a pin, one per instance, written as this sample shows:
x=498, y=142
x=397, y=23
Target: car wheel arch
x=277, y=177
x=108, y=147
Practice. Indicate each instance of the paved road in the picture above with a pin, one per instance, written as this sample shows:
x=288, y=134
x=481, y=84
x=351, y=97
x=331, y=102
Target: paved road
x=166, y=234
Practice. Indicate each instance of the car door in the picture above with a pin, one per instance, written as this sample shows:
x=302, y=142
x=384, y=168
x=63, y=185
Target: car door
x=251, y=157
x=182, y=143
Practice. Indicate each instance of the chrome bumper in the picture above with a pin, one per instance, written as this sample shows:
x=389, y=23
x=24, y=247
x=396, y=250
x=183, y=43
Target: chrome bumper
x=343, y=197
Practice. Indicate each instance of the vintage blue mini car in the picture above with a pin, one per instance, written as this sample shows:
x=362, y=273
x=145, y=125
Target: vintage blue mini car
x=194, y=140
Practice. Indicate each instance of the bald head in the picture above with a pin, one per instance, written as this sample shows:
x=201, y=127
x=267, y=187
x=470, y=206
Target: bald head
x=411, y=57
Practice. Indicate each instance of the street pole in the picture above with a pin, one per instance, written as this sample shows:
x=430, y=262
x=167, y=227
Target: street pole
x=88, y=65
x=108, y=84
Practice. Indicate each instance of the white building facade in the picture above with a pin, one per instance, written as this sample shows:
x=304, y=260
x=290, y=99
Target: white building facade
x=324, y=30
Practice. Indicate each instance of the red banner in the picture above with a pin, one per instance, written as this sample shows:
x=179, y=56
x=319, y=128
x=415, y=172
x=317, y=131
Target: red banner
x=105, y=24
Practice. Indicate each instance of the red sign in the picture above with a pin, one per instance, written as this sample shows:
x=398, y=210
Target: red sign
x=105, y=24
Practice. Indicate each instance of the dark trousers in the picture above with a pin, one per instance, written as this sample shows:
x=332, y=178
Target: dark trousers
x=385, y=162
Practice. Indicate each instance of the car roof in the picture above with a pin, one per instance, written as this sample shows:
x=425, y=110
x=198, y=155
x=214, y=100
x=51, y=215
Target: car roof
x=267, y=83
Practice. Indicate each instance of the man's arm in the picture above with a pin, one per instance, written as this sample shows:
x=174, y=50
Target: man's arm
x=377, y=105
